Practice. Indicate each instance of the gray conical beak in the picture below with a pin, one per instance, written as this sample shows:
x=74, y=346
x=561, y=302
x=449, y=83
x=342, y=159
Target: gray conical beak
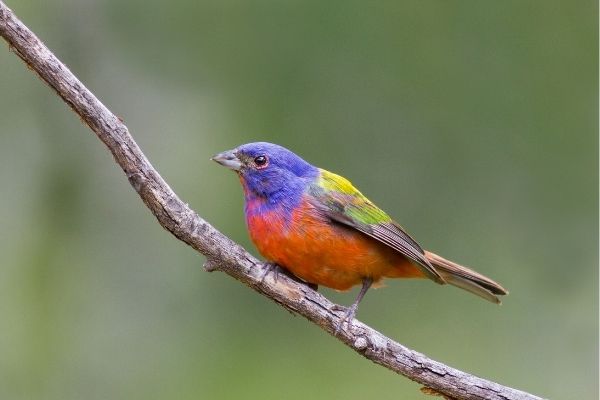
x=228, y=159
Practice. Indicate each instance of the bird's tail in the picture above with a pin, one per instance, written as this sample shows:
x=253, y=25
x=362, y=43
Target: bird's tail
x=466, y=279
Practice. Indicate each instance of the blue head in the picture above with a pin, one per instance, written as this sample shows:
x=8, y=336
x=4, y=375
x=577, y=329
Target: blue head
x=269, y=172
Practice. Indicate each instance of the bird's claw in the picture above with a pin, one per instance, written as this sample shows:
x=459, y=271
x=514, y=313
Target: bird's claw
x=275, y=269
x=348, y=317
x=271, y=268
x=337, y=307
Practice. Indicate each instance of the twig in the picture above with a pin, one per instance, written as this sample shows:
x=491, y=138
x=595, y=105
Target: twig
x=221, y=252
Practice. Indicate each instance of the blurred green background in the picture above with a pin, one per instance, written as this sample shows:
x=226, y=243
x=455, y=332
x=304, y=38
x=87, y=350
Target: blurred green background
x=473, y=123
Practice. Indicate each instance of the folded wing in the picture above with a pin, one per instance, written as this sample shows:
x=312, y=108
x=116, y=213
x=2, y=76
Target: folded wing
x=341, y=202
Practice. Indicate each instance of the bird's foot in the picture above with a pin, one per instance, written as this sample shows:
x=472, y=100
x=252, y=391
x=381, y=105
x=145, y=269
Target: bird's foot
x=348, y=317
x=271, y=268
x=276, y=270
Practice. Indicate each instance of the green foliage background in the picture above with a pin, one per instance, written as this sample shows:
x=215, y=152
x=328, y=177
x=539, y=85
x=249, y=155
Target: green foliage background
x=473, y=123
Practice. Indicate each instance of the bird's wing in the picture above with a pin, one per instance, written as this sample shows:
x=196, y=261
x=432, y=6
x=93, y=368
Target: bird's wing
x=341, y=202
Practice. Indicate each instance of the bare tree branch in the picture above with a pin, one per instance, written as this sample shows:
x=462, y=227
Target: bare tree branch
x=220, y=251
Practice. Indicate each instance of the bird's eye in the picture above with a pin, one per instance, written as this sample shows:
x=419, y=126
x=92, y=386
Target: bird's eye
x=261, y=161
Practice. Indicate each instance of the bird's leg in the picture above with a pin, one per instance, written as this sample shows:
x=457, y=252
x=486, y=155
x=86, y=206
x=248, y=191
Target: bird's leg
x=351, y=311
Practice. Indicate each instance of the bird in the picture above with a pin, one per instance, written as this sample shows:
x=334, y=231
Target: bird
x=317, y=226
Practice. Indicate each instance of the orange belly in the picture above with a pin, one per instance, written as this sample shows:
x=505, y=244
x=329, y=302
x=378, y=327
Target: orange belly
x=323, y=253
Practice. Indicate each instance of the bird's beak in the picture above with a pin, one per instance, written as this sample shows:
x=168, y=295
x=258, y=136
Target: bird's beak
x=228, y=159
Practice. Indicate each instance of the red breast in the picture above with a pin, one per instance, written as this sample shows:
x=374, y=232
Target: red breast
x=322, y=252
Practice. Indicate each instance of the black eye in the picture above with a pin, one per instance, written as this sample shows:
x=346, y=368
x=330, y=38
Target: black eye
x=261, y=161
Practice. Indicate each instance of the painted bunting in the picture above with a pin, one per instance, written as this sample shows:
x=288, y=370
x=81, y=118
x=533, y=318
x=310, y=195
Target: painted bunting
x=318, y=226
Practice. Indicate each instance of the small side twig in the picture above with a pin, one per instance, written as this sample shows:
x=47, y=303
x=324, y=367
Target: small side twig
x=221, y=252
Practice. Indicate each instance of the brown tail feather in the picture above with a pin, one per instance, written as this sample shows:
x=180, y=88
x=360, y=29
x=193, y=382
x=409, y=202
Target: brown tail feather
x=466, y=279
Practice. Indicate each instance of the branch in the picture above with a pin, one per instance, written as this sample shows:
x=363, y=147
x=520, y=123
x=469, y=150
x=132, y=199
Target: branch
x=221, y=252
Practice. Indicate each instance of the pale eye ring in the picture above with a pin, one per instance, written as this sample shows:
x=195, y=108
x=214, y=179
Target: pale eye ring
x=261, y=161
